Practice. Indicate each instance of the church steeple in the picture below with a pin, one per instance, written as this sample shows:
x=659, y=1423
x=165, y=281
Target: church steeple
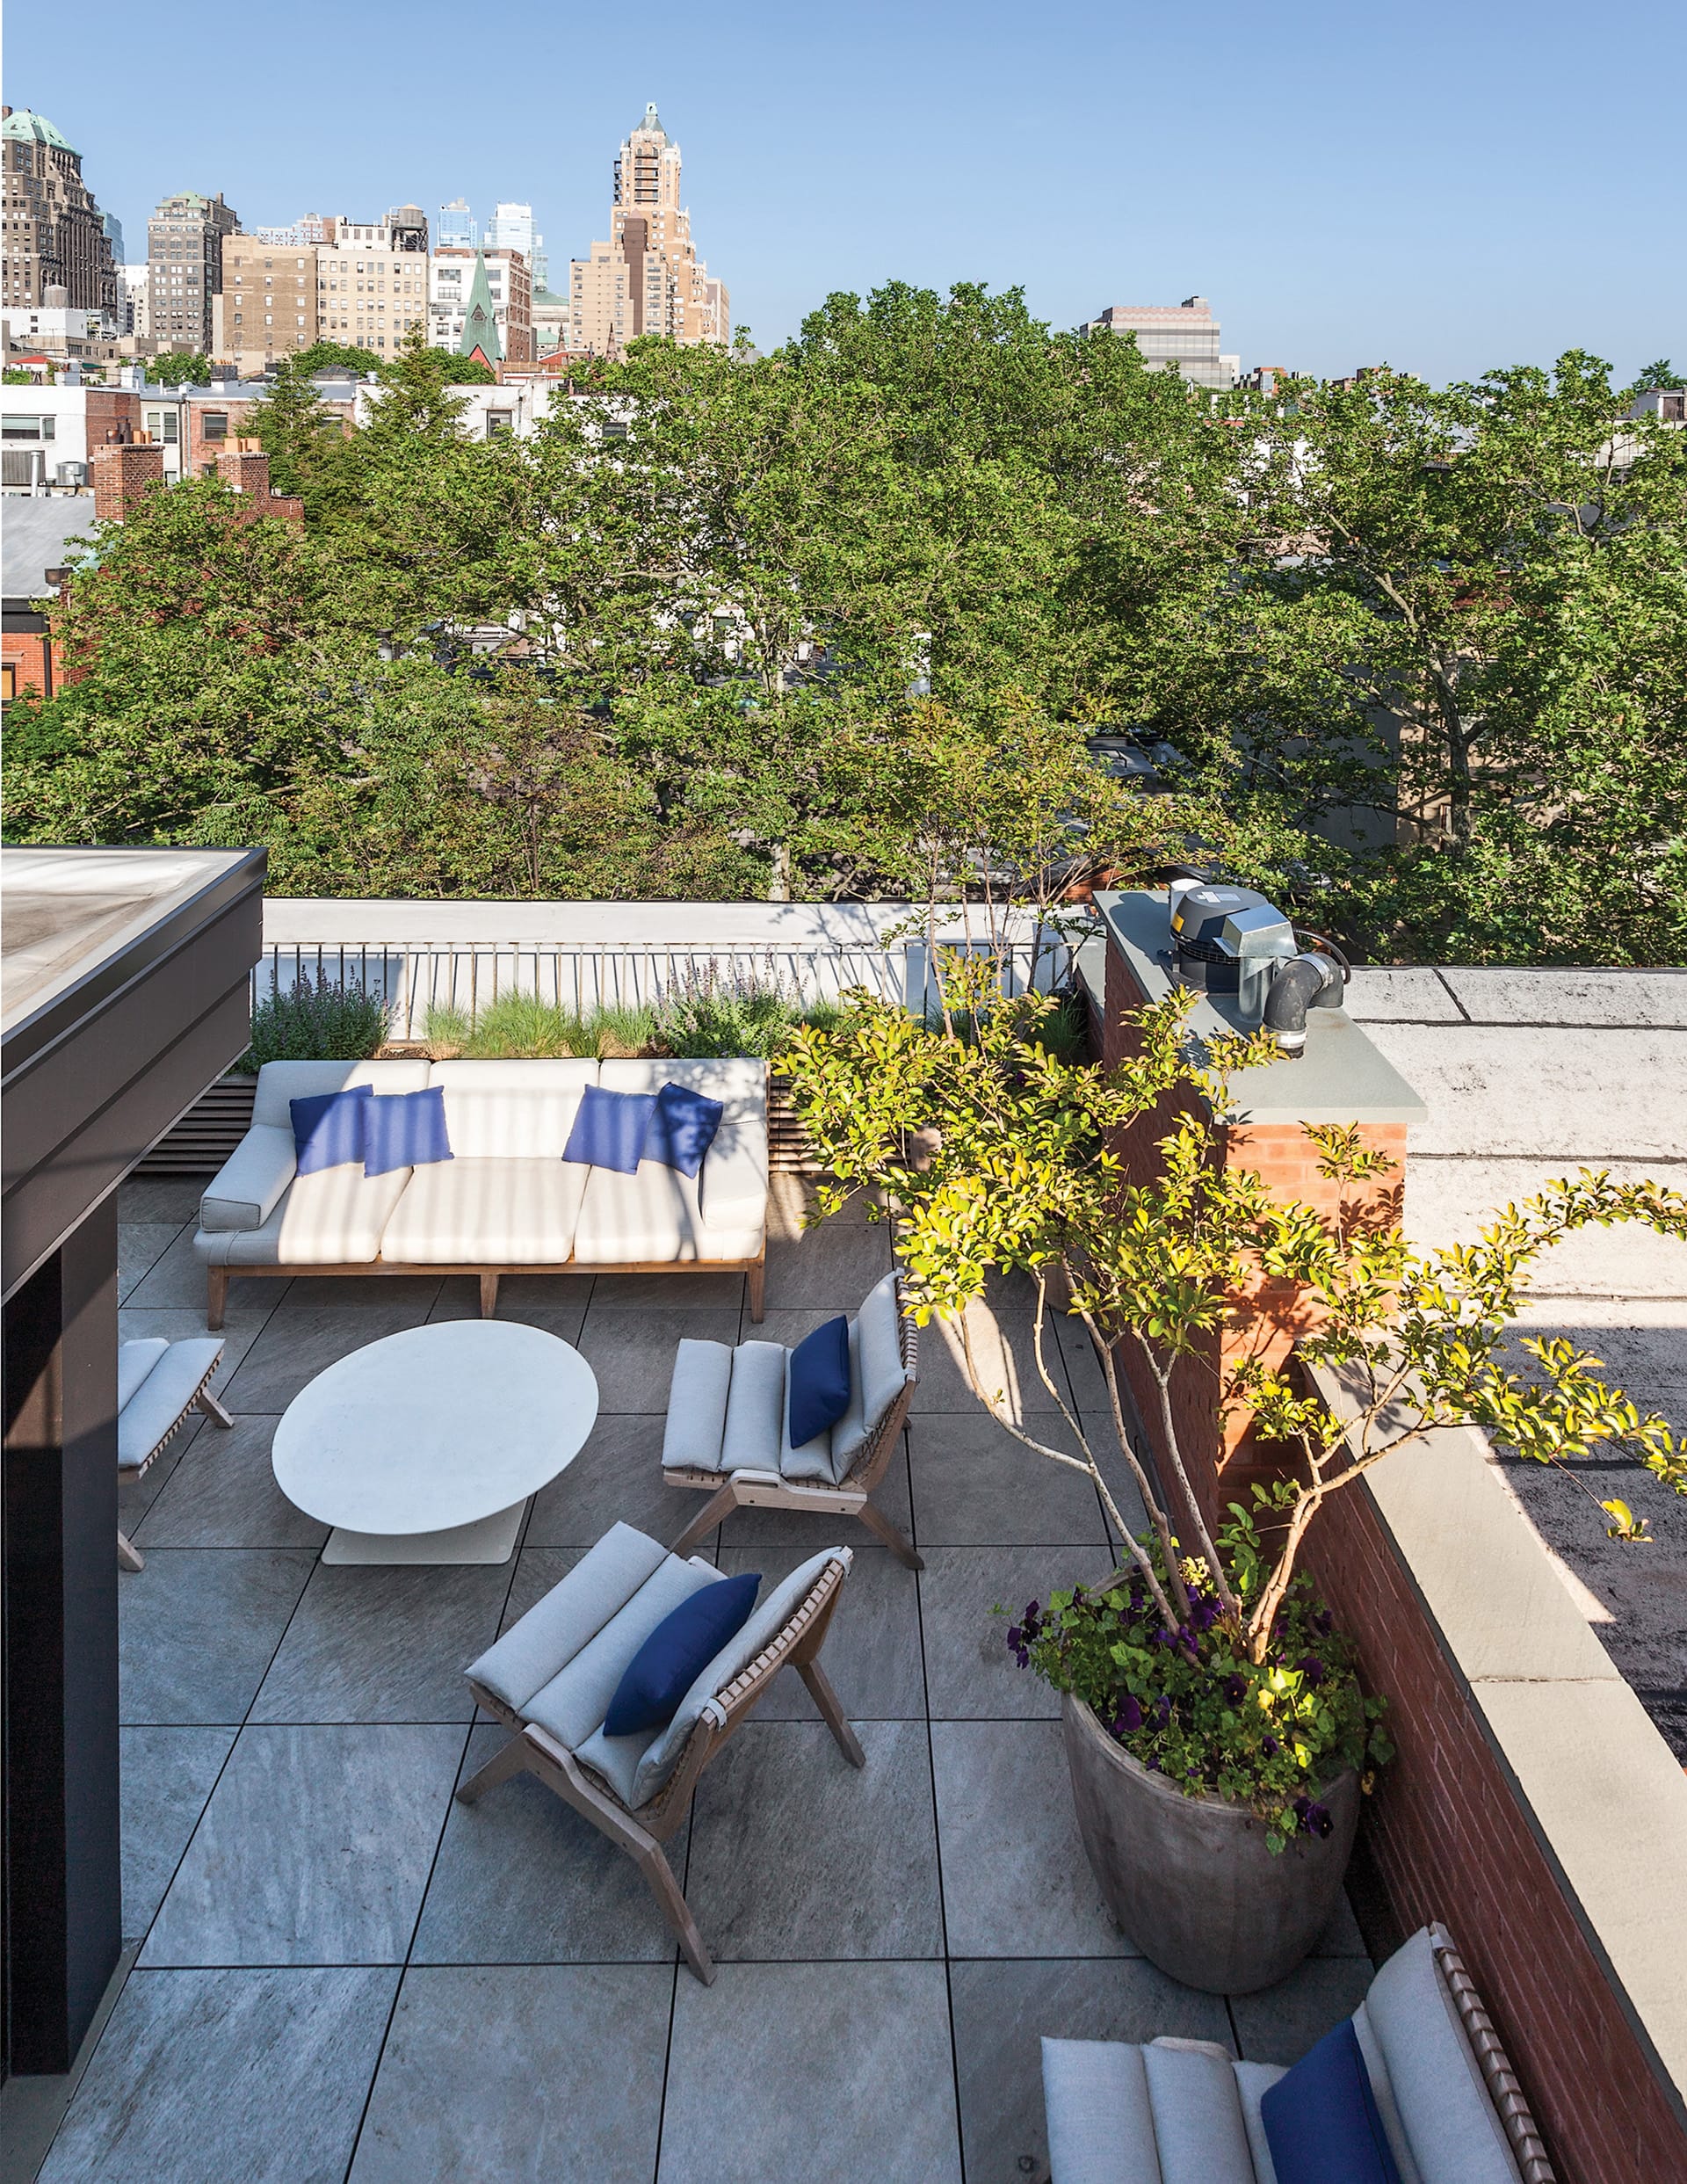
x=479, y=335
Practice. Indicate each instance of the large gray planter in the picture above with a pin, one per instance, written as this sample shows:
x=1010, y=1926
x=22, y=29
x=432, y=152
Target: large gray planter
x=1190, y=1879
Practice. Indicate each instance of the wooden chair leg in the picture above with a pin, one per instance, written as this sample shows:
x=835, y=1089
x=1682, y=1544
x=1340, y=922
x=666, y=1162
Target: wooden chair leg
x=758, y=1290
x=878, y=1522
x=488, y=1295
x=659, y=1878
x=129, y=1557
x=819, y=1690
x=716, y=1510
x=212, y=1409
x=217, y=1296
x=508, y=1760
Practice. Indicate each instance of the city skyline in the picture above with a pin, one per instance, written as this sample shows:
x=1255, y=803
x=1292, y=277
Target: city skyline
x=1343, y=195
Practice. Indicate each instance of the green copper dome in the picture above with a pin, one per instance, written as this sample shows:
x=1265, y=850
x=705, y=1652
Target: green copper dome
x=24, y=123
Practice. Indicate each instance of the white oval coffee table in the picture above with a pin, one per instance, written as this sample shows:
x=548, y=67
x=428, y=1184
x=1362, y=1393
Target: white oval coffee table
x=424, y=1447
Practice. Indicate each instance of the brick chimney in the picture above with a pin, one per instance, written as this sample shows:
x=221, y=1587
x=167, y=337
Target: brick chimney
x=122, y=474
x=248, y=471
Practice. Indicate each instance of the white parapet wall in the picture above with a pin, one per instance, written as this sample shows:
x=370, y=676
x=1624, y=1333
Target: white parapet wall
x=456, y=954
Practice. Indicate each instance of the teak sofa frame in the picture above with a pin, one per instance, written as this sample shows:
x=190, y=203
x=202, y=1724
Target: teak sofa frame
x=641, y=1833
x=851, y=1497
x=218, y=1278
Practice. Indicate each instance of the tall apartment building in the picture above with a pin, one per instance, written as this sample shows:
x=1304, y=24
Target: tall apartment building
x=372, y=281
x=54, y=232
x=268, y=307
x=136, y=307
x=647, y=277
x=1173, y=336
x=511, y=228
x=184, y=239
x=455, y=227
x=465, y=286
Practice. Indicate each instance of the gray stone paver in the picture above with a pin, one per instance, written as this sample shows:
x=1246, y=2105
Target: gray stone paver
x=890, y=1945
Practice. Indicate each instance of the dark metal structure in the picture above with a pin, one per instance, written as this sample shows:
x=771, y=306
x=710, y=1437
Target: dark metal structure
x=125, y=995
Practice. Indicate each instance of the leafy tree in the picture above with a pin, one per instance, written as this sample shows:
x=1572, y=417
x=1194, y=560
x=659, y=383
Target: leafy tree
x=188, y=369
x=1448, y=657
x=308, y=450
x=323, y=356
x=1661, y=374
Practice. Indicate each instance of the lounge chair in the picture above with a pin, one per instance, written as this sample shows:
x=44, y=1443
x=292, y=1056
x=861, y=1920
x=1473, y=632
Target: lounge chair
x=158, y=1383
x=727, y=1427
x=550, y=1678
x=1449, y=2102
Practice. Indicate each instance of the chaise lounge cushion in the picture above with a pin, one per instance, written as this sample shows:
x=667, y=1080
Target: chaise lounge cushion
x=469, y=1212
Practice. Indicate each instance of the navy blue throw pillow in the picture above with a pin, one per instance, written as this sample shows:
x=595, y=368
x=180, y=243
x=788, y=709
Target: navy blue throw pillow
x=327, y=1127
x=677, y=1652
x=405, y=1130
x=1321, y=2121
x=683, y=1127
x=819, y=1381
x=610, y=1129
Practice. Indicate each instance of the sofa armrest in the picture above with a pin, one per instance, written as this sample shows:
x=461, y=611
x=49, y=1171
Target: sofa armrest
x=732, y=1184
x=247, y=1188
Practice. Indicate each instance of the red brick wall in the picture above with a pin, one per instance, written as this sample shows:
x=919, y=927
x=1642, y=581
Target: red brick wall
x=33, y=659
x=1446, y=1833
x=121, y=476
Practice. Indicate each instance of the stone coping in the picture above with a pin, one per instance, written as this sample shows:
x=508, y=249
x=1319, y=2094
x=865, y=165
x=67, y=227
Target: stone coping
x=1341, y=1076
x=1602, y=1792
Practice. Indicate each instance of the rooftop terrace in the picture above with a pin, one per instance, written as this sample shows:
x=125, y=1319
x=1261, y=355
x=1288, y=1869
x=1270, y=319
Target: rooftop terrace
x=338, y=1972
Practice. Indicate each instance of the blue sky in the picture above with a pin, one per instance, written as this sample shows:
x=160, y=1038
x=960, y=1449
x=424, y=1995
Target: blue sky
x=1443, y=187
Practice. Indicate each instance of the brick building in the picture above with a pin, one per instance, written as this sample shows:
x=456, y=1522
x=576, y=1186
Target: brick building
x=267, y=307
x=185, y=243
x=55, y=234
x=645, y=278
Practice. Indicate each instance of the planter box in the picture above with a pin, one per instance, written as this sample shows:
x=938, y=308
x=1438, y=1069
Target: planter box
x=216, y=1122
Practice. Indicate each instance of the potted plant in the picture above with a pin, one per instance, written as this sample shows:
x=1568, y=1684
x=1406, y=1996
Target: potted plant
x=1217, y=1733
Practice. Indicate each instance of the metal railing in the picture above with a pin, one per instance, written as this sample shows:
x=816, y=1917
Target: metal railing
x=413, y=976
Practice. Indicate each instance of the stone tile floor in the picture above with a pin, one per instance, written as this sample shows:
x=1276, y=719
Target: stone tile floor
x=342, y=1974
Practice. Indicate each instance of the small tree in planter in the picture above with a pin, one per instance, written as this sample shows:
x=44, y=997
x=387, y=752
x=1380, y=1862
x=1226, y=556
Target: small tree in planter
x=1205, y=1660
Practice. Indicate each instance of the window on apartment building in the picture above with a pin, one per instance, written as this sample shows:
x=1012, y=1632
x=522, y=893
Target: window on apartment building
x=213, y=425
x=499, y=422
x=163, y=425
x=15, y=427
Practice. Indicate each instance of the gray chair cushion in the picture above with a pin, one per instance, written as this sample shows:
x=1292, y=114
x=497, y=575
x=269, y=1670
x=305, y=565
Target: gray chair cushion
x=1377, y=2070
x=1199, y=2133
x=1254, y=2081
x=135, y=1361
x=769, y=1617
x=697, y=1405
x=1456, y=2136
x=883, y=1374
x=157, y=1404
x=573, y=1704
x=554, y=1630
x=1100, y=2123
x=755, y=1408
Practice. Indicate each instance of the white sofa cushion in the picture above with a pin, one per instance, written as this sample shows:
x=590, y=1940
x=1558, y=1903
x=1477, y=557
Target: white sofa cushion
x=278, y=1083
x=246, y=1190
x=332, y=1217
x=731, y=1196
x=649, y=1215
x=510, y=1110
x=471, y=1212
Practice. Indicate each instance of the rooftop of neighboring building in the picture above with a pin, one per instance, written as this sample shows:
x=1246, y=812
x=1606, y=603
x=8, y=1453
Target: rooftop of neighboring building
x=38, y=534
x=19, y=122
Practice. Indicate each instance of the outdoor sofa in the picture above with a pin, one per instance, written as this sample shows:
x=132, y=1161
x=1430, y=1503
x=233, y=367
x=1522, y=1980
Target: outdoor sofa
x=1185, y=2112
x=506, y=1201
